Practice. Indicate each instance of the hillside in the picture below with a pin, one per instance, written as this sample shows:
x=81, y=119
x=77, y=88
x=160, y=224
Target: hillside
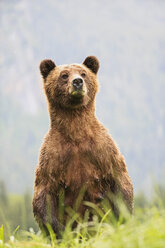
x=128, y=37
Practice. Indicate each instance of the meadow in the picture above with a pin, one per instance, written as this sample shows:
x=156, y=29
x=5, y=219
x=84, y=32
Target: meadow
x=146, y=228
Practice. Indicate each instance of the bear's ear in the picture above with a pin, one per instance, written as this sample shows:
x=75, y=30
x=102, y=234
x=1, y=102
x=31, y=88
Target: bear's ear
x=46, y=66
x=92, y=63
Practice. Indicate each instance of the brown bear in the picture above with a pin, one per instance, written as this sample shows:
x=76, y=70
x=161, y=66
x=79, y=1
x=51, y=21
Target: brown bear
x=77, y=152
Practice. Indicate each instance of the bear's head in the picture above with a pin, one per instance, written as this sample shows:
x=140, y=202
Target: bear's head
x=70, y=86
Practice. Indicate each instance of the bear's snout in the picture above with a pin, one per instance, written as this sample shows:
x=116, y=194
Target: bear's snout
x=77, y=83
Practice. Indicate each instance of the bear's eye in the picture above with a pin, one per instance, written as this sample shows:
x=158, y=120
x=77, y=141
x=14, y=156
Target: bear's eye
x=83, y=74
x=65, y=76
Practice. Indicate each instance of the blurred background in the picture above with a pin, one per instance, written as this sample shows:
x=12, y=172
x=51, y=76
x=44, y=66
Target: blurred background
x=128, y=37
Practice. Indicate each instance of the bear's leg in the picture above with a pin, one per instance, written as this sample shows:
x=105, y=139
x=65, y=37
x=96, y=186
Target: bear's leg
x=122, y=181
x=44, y=212
x=125, y=189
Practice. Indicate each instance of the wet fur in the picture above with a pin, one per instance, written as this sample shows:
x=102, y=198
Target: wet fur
x=77, y=151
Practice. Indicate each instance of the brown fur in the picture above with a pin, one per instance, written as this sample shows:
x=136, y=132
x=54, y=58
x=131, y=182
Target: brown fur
x=77, y=151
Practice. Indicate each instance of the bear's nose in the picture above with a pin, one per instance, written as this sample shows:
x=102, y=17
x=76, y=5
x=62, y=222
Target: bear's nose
x=77, y=83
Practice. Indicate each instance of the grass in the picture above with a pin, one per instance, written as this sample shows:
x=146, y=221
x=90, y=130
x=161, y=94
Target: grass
x=145, y=229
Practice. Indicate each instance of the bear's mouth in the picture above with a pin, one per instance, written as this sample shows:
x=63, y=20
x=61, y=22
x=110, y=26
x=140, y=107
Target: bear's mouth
x=77, y=93
x=77, y=97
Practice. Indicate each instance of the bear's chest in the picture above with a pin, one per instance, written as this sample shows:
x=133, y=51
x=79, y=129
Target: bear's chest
x=77, y=165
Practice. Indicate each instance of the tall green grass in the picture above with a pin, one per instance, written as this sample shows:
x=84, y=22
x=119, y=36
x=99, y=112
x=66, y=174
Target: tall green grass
x=145, y=229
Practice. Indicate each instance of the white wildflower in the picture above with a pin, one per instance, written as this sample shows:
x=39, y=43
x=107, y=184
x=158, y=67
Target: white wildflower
x=12, y=238
x=31, y=230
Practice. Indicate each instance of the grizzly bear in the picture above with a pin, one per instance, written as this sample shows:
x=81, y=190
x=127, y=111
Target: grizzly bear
x=77, y=152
